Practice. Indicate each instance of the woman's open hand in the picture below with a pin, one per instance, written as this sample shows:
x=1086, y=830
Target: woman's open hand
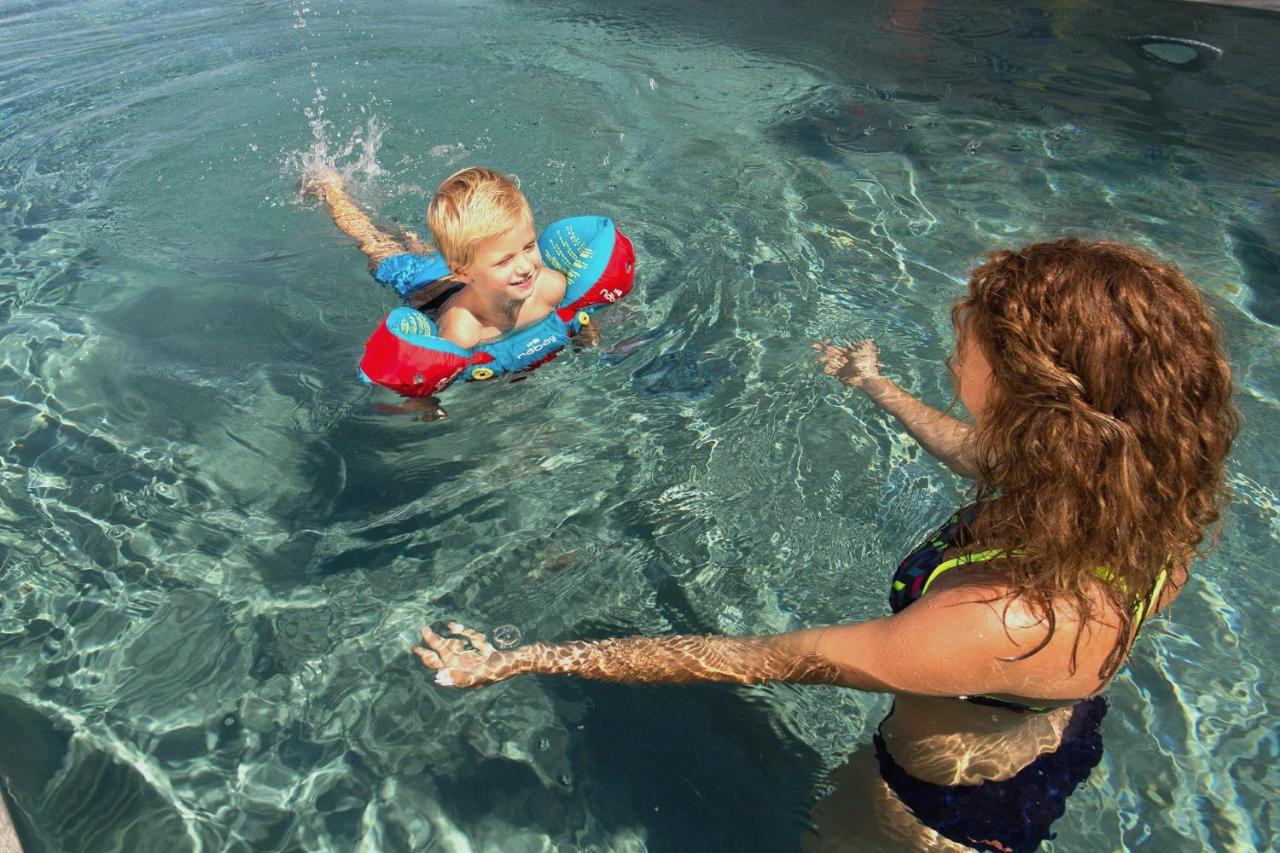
x=851, y=364
x=464, y=660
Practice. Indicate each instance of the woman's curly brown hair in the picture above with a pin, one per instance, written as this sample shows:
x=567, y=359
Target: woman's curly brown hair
x=1105, y=442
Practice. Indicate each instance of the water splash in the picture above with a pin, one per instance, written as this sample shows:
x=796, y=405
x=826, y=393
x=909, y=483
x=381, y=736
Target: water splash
x=355, y=158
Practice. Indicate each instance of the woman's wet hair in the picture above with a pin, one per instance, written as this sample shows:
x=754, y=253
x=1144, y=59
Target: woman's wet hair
x=1106, y=439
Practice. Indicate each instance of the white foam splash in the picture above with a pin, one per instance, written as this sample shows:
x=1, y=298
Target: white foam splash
x=355, y=158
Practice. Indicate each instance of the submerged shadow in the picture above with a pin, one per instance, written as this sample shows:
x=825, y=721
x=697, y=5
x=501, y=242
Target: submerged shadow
x=700, y=768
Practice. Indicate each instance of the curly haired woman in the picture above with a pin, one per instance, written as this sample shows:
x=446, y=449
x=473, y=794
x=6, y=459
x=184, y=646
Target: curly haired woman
x=1101, y=421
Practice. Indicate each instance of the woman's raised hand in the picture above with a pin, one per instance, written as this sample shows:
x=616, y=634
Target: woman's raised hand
x=851, y=364
x=464, y=660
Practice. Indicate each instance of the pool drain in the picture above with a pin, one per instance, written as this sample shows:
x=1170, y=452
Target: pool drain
x=1183, y=54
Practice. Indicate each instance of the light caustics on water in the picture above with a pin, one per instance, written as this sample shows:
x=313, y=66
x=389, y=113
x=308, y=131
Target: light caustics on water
x=217, y=550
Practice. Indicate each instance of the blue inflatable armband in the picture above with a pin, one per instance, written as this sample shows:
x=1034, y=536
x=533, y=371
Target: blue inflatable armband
x=410, y=273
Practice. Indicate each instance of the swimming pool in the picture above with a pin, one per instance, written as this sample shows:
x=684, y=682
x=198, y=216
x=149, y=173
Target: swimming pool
x=216, y=551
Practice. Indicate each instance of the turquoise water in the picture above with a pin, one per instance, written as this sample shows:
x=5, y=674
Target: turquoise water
x=216, y=549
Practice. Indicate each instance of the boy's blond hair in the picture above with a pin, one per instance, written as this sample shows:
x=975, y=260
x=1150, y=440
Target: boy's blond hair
x=471, y=206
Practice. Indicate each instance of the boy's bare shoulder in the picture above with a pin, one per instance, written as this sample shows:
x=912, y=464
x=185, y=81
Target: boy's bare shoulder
x=458, y=325
x=552, y=287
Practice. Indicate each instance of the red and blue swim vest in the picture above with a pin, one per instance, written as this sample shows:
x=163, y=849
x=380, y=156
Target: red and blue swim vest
x=407, y=354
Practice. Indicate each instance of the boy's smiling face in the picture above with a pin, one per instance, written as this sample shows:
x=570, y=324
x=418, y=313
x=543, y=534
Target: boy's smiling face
x=506, y=266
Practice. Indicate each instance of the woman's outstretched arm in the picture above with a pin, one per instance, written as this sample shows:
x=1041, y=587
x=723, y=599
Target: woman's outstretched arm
x=946, y=438
x=953, y=642
x=327, y=186
x=468, y=660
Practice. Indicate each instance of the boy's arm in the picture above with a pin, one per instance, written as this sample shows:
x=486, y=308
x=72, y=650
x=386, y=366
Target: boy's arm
x=353, y=221
x=947, y=439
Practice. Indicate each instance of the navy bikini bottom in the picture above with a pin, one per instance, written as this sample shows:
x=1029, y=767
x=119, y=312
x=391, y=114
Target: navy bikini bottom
x=1014, y=814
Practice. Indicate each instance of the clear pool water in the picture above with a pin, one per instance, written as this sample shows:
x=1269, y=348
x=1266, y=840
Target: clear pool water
x=215, y=548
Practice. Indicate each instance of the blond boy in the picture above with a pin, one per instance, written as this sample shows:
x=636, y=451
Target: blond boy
x=483, y=228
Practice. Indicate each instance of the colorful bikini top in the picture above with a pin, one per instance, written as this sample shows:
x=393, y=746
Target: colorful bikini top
x=922, y=566
x=407, y=354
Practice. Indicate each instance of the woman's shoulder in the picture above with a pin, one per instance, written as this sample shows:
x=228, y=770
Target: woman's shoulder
x=1058, y=647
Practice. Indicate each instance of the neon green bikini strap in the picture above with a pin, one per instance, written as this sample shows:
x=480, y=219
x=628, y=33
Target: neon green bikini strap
x=963, y=560
x=1141, y=608
x=1144, y=608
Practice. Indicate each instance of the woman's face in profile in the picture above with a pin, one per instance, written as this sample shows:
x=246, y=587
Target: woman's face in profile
x=972, y=375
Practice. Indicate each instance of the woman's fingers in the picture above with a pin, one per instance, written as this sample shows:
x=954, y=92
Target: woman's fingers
x=830, y=354
x=445, y=647
x=849, y=363
x=429, y=652
x=478, y=640
x=832, y=362
x=449, y=649
x=431, y=638
x=865, y=357
x=429, y=658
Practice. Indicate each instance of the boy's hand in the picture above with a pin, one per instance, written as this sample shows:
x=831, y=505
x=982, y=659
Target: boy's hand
x=426, y=408
x=415, y=244
x=317, y=180
x=853, y=365
x=588, y=336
